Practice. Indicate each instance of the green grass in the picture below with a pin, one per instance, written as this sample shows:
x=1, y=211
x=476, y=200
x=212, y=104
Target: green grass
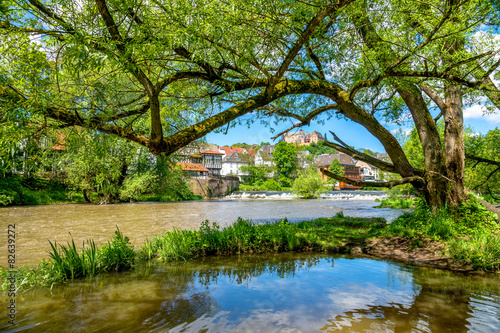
x=67, y=263
x=326, y=234
x=17, y=190
x=481, y=251
x=396, y=203
x=251, y=188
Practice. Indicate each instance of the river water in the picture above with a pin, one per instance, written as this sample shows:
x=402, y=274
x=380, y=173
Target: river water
x=291, y=292
x=35, y=225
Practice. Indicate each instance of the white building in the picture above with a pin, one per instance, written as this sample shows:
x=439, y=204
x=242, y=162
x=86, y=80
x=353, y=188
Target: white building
x=232, y=163
x=264, y=155
x=368, y=171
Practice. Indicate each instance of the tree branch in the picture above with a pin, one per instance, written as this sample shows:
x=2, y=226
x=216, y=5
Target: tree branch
x=389, y=184
x=382, y=165
x=481, y=159
x=311, y=26
x=303, y=120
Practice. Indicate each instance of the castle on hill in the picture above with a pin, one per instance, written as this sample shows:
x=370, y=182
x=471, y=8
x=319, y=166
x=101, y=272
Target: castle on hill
x=303, y=138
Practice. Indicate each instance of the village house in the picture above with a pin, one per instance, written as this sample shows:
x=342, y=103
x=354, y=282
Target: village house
x=369, y=173
x=210, y=159
x=351, y=171
x=231, y=164
x=264, y=155
x=193, y=169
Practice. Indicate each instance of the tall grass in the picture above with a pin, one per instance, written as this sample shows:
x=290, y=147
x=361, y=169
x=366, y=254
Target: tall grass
x=245, y=236
x=67, y=263
x=481, y=251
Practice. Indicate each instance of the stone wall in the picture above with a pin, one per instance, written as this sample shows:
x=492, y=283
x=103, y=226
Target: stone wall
x=209, y=187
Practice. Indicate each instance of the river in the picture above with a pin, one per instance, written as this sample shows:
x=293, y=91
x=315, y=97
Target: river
x=35, y=225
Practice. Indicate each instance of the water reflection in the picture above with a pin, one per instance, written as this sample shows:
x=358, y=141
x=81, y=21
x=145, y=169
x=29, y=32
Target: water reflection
x=271, y=293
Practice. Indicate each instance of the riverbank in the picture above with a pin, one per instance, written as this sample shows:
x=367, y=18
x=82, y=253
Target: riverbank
x=20, y=191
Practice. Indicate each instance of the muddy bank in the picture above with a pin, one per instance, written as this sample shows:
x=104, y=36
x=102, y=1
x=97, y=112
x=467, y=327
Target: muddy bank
x=420, y=253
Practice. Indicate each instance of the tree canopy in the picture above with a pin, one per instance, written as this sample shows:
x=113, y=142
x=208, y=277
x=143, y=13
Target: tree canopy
x=164, y=73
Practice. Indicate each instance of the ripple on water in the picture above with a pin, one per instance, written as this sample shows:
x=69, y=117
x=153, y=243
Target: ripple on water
x=267, y=293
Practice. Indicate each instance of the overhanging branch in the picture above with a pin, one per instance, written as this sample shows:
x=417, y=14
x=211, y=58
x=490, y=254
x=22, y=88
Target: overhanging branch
x=390, y=184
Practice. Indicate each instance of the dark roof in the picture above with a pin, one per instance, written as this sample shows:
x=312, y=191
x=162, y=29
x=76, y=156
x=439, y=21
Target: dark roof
x=237, y=158
x=326, y=159
x=267, y=148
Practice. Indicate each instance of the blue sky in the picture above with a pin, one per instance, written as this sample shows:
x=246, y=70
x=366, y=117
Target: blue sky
x=348, y=131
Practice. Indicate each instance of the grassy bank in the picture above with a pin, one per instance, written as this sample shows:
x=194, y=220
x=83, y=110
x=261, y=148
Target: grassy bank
x=335, y=234
x=470, y=233
x=16, y=190
x=396, y=203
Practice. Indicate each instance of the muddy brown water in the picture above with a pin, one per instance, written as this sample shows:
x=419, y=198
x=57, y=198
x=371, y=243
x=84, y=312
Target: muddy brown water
x=36, y=225
x=291, y=292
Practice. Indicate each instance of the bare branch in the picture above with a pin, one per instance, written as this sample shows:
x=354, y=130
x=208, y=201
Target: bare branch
x=382, y=165
x=304, y=120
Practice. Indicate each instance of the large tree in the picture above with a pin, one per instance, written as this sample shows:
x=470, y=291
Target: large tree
x=188, y=68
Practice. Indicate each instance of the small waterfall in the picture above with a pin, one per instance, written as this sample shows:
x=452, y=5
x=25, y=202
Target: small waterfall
x=288, y=195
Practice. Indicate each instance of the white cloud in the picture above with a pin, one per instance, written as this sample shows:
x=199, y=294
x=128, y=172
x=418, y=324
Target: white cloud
x=405, y=131
x=478, y=112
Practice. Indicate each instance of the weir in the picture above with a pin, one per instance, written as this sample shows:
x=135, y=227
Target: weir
x=289, y=195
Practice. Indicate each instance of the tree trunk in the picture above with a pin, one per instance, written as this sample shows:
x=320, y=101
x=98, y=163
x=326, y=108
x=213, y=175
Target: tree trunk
x=454, y=145
x=86, y=196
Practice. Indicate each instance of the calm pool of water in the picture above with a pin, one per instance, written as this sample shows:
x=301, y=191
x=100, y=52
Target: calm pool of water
x=266, y=293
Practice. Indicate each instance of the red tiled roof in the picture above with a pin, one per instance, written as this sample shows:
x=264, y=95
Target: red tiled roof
x=211, y=152
x=230, y=150
x=192, y=166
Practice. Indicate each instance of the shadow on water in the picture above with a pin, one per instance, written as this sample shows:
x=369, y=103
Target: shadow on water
x=267, y=293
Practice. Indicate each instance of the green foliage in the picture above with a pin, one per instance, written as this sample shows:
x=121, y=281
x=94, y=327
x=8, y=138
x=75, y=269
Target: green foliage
x=17, y=190
x=285, y=160
x=319, y=148
x=336, y=168
x=271, y=185
x=66, y=263
x=309, y=184
x=256, y=173
x=483, y=177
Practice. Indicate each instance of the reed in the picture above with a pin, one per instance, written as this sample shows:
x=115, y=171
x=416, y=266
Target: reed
x=67, y=263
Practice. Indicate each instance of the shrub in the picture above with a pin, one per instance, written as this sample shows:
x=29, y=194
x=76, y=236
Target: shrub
x=308, y=185
x=271, y=185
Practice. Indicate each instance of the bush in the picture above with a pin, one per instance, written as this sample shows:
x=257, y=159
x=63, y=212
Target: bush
x=271, y=185
x=308, y=185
